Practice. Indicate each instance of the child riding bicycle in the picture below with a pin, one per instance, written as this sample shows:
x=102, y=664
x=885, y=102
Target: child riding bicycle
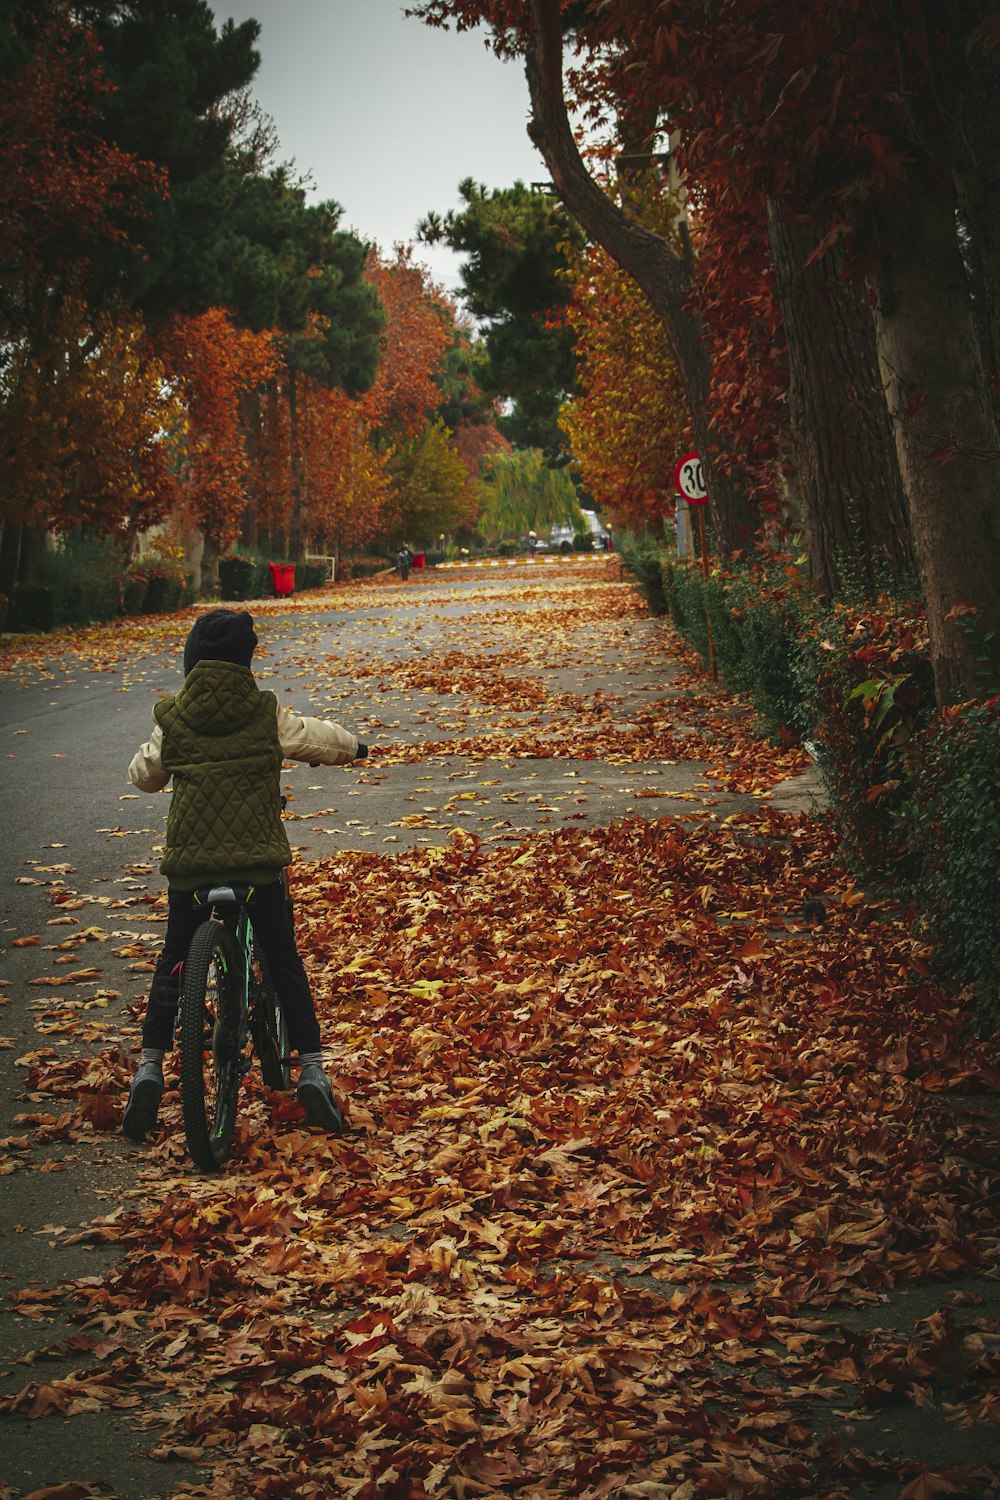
x=223, y=741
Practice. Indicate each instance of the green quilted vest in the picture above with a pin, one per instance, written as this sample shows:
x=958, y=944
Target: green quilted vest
x=220, y=745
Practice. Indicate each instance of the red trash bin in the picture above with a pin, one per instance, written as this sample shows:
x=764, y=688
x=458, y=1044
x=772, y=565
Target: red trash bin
x=282, y=577
x=420, y=561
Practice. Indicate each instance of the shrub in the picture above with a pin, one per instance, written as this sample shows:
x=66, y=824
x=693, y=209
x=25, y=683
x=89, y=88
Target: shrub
x=236, y=576
x=873, y=691
x=952, y=823
x=84, y=572
x=642, y=555
x=133, y=591
x=166, y=588
x=310, y=575
x=565, y=546
x=34, y=606
x=583, y=541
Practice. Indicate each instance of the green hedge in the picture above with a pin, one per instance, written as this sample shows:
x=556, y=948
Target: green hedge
x=242, y=577
x=310, y=575
x=34, y=606
x=952, y=821
x=167, y=587
x=642, y=556
x=914, y=794
x=872, y=695
x=760, y=619
x=246, y=577
x=133, y=591
x=74, y=583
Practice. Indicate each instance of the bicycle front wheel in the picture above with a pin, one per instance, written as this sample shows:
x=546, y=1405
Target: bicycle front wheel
x=267, y=1024
x=210, y=1045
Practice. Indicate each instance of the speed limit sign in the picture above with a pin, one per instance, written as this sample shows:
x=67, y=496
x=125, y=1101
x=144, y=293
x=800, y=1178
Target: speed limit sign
x=689, y=480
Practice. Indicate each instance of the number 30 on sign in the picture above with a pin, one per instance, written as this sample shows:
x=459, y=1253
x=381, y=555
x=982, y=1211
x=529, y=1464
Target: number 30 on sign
x=689, y=481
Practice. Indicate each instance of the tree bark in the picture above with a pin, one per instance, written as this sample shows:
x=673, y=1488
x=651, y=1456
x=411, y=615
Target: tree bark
x=945, y=431
x=663, y=274
x=209, y=566
x=842, y=457
x=973, y=116
x=296, y=519
x=250, y=429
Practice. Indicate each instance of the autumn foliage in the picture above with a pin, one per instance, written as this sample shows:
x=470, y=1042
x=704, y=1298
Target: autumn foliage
x=217, y=366
x=629, y=423
x=649, y=1123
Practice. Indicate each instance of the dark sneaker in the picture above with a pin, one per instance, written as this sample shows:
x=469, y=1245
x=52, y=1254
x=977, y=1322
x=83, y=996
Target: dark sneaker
x=316, y=1098
x=143, y=1102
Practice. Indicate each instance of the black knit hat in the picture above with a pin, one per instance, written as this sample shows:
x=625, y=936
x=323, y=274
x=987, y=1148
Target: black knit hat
x=221, y=635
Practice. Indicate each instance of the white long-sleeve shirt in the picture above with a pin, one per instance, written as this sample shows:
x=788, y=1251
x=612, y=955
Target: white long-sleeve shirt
x=316, y=740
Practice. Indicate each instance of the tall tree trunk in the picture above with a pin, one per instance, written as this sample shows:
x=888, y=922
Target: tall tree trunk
x=663, y=273
x=10, y=553
x=845, y=472
x=295, y=523
x=972, y=117
x=209, y=565
x=250, y=428
x=945, y=430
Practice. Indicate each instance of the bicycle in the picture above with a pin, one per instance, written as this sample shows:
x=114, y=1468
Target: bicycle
x=227, y=1001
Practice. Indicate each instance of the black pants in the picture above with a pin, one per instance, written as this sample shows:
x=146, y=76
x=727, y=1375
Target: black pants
x=275, y=934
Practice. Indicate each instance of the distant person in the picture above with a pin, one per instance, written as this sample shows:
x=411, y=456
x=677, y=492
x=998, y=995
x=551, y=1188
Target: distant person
x=223, y=741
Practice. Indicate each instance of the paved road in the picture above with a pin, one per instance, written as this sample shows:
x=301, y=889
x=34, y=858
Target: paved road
x=477, y=664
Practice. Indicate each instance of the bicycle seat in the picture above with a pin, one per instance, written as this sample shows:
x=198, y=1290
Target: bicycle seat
x=223, y=895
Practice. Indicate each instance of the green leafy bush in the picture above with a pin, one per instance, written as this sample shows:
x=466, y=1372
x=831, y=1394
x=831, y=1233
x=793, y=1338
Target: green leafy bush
x=239, y=576
x=760, y=619
x=642, y=555
x=310, y=575
x=167, y=586
x=872, y=693
x=34, y=606
x=583, y=541
x=86, y=571
x=134, y=585
x=952, y=824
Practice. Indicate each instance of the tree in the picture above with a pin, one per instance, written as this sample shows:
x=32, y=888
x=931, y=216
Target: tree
x=63, y=190
x=174, y=83
x=848, y=122
x=629, y=423
x=215, y=366
x=296, y=272
x=841, y=113
x=517, y=242
x=83, y=409
x=432, y=489
x=418, y=333
x=523, y=493
x=351, y=497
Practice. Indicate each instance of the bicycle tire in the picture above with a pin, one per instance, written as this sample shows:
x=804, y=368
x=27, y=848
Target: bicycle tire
x=268, y=1027
x=210, y=1045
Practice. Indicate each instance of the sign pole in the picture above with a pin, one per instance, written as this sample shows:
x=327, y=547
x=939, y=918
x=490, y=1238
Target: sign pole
x=690, y=482
x=704, y=573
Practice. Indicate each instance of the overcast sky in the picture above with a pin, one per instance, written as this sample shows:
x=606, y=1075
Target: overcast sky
x=387, y=114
